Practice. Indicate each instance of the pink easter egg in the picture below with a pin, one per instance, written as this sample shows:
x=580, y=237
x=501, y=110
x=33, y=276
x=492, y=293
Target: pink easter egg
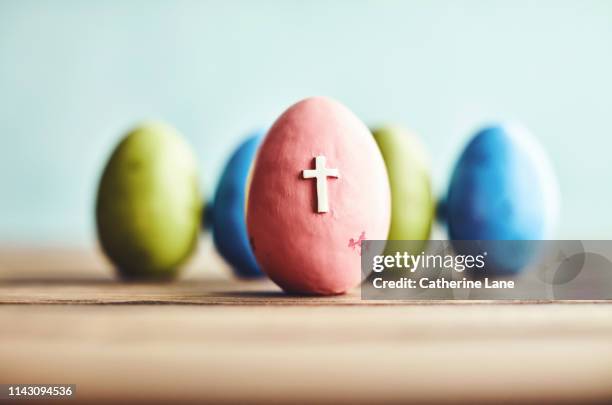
x=319, y=187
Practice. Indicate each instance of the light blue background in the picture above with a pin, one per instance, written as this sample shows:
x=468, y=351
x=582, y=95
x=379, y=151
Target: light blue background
x=75, y=75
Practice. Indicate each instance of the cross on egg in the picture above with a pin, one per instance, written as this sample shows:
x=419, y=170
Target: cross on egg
x=321, y=173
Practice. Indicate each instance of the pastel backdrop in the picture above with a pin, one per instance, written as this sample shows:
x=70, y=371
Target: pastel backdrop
x=75, y=75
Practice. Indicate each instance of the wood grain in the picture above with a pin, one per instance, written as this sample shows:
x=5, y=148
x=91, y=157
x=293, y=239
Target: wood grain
x=66, y=319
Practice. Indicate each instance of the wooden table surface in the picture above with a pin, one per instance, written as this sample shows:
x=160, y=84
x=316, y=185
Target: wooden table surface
x=66, y=319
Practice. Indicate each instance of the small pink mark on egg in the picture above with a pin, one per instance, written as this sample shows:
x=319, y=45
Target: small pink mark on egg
x=357, y=243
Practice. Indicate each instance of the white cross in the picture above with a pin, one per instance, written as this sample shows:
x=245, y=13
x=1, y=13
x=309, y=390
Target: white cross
x=321, y=173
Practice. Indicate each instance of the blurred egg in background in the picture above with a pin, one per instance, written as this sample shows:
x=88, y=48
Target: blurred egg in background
x=503, y=188
x=149, y=203
x=228, y=219
x=412, y=199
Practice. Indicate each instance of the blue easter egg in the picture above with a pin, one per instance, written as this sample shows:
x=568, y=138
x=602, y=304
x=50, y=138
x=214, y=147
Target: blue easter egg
x=229, y=226
x=502, y=189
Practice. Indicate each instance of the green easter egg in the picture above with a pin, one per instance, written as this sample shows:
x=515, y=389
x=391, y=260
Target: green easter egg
x=412, y=200
x=149, y=204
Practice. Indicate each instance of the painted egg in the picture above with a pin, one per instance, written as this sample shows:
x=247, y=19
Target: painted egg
x=503, y=188
x=319, y=187
x=149, y=204
x=412, y=200
x=229, y=224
